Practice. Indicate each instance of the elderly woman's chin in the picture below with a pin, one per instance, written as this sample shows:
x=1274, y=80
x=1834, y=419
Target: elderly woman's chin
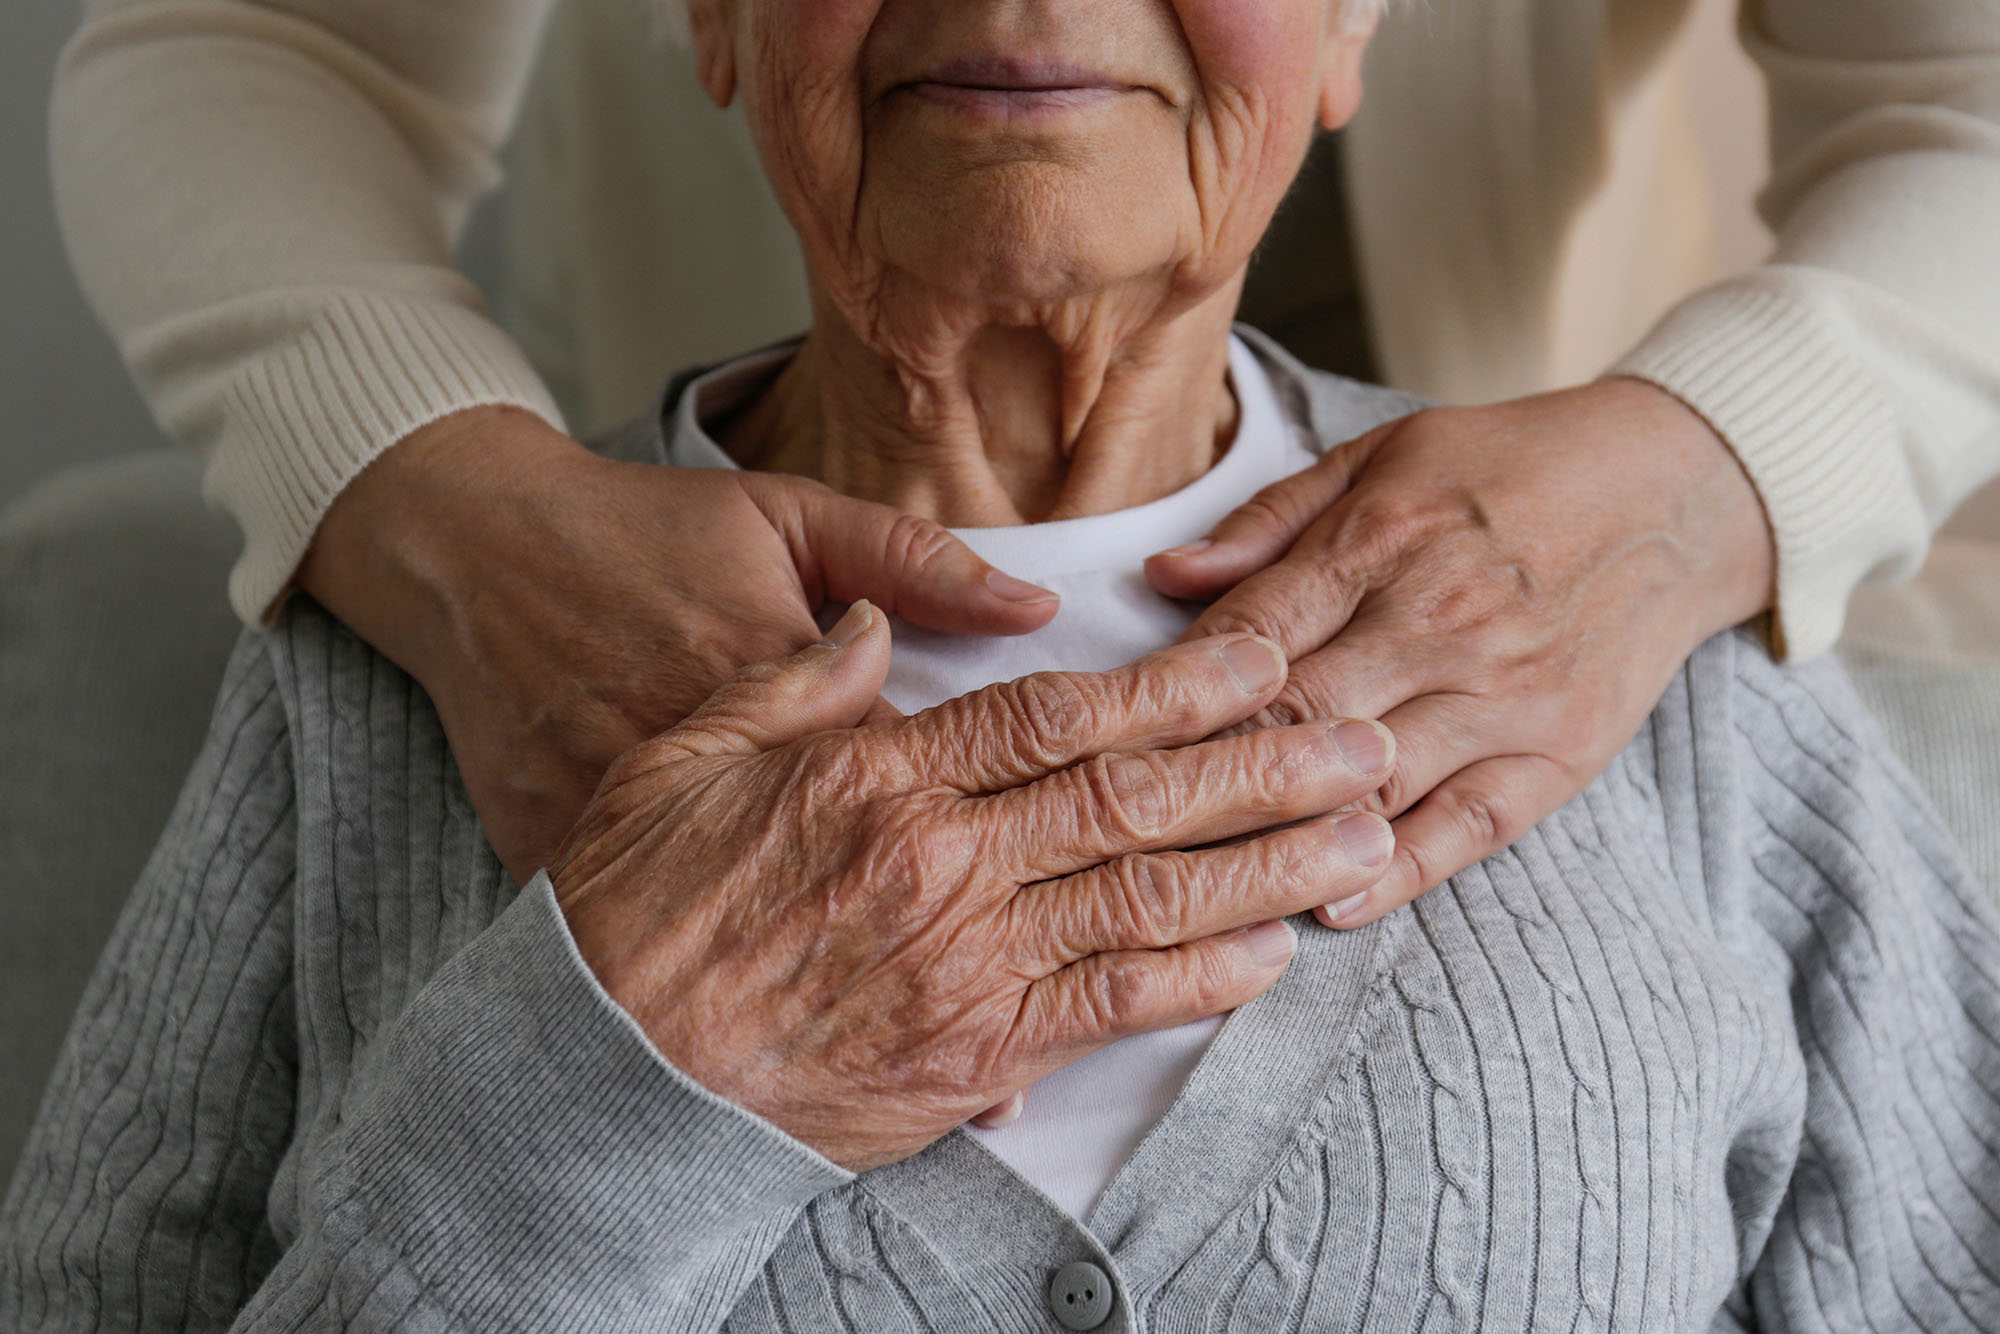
x=1041, y=208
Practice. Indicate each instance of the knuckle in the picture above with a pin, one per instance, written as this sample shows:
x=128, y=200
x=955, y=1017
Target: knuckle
x=1275, y=507
x=1128, y=794
x=1117, y=999
x=1488, y=820
x=1231, y=618
x=1393, y=797
x=1212, y=981
x=1303, y=701
x=1381, y=528
x=1150, y=907
x=762, y=673
x=1401, y=789
x=1481, y=822
x=1170, y=693
x=1284, y=711
x=913, y=542
x=1052, y=713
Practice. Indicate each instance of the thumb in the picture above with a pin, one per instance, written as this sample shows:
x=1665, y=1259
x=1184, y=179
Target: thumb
x=832, y=684
x=910, y=567
x=1261, y=529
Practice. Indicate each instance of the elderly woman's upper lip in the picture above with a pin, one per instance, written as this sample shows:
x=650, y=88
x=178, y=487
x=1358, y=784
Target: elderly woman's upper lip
x=1015, y=73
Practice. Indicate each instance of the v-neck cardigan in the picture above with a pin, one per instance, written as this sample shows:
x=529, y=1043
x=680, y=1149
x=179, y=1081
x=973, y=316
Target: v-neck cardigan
x=1714, y=1046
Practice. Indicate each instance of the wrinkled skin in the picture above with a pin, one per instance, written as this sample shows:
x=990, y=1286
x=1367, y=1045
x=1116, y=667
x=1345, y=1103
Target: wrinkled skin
x=1020, y=305
x=906, y=921
x=560, y=608
x=1509, y=588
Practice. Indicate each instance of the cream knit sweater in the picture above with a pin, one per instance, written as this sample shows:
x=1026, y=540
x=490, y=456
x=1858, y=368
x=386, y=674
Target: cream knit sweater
x=261, y=198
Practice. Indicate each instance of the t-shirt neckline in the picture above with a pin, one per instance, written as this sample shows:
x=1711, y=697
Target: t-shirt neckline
x=1120, y=539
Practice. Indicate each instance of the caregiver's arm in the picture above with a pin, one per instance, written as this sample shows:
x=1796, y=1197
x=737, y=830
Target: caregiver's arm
x=1510, y=586
x=261, y=200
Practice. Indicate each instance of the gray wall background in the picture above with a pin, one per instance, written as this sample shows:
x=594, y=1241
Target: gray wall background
x=64, y=394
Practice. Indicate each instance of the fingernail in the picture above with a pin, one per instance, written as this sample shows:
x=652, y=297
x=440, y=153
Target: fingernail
x=1191, y=549
x=849, y=627
x=1348, y=907
x=1009, y=1113
x=1271, y=943
x=1255, y=663
x=1365, y=746
x=1367, y=839
x=1016, y=590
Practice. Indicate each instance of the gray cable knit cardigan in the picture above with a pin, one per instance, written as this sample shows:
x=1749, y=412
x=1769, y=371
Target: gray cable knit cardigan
x=1715, y=1046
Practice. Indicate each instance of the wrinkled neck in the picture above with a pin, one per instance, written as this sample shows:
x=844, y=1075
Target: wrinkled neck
x=983, y=423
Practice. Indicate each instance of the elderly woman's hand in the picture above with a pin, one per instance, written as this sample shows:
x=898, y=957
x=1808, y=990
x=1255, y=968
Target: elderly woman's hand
x=1509, y=588
x=559, y=607
x=905, y=922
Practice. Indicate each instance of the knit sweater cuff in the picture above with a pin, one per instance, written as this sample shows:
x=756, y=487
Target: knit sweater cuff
x=522, y=1127
x=360, y=371
x=1769, y=366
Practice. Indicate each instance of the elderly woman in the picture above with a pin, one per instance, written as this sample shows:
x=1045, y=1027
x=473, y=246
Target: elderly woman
x=1712, y=1046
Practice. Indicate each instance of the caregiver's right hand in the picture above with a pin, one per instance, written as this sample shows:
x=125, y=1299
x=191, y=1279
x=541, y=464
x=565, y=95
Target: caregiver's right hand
x=904, y=922
x=559, y=607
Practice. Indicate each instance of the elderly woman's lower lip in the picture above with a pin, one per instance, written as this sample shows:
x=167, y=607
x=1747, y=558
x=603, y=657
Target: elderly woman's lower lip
x=1012, y=101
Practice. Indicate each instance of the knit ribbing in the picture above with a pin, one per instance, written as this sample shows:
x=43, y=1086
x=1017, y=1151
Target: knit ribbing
x=356, y=372
x=1766, y=362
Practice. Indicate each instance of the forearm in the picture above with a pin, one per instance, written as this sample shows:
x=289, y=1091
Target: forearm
x=1857, y=375
x=261, y=204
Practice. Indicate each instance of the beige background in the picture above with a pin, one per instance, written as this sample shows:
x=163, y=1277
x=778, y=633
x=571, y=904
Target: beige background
x=64, y=397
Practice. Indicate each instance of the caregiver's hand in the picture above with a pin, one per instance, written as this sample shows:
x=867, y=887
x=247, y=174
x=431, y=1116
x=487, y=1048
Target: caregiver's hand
x=1509, y=588
x=906, y=922
x=559, y=607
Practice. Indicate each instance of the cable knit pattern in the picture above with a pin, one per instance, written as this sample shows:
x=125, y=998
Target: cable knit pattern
x=1715, y=1046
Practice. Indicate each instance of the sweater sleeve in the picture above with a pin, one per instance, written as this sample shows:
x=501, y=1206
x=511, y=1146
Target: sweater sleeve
x=511, y=1154
x=260, y=198
x=525, y=1160
x=140, y=1199
x=1857, y=373
x=1863, y=926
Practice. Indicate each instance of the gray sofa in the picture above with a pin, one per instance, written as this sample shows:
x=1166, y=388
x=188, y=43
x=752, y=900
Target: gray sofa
x=113, y=634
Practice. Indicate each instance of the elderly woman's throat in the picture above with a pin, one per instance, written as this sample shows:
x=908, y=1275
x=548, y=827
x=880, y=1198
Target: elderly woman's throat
x=1000, y=425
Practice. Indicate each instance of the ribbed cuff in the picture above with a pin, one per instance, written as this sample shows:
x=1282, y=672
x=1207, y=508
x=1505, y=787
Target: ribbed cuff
x=359, y=373
x=1766, y=361
x=526, y=1154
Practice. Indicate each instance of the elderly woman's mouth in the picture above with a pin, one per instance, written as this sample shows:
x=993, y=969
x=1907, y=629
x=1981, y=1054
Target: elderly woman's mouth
x=1008, y=88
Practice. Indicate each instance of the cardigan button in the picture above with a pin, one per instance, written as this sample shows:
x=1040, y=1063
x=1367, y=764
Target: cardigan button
x=1080, y=1296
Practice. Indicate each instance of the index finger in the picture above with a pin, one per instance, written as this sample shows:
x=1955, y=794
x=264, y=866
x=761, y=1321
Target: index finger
x=1301, y=602
x=1018, y=731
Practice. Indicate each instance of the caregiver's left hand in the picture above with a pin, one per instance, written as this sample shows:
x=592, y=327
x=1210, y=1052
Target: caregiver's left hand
x=1508, y=588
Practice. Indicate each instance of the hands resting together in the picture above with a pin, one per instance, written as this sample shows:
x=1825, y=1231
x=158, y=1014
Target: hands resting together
x=908, y=921
x=1508, y=588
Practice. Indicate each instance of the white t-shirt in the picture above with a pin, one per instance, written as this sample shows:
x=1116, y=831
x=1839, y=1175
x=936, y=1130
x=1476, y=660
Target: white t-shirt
x=1083, y=1122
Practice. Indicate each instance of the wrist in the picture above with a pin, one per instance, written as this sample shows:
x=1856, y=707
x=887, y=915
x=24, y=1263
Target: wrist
x=1717, y=514
x=396, y=552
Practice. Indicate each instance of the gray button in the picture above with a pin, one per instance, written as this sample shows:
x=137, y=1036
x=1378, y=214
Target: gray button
x=1080, y=1295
